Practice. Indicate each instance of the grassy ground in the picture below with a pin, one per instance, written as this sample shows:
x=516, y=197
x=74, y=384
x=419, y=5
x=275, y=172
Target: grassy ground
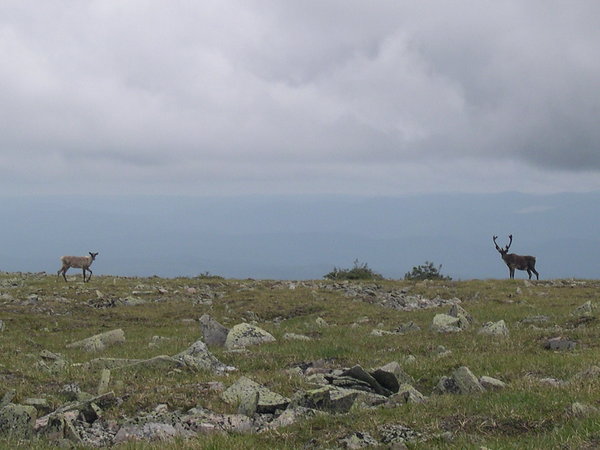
x=43, y=313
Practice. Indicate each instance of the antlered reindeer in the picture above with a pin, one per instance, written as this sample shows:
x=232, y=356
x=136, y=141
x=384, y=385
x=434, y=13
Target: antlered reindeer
x=79, y=262
x=516, y=261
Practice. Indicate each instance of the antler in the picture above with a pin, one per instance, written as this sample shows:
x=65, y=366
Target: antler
x=495, y=243
x=510, y=242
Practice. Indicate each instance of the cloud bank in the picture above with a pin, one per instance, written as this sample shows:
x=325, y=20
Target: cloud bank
x=314, y=96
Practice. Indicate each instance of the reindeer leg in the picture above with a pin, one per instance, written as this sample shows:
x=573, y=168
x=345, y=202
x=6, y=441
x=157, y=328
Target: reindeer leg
x=64, y=272
x=537, y=275
x=90, y=271
x=512, y=273
x=529, y=273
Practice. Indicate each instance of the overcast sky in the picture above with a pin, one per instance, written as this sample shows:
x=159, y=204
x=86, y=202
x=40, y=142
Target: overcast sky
x=347, y=96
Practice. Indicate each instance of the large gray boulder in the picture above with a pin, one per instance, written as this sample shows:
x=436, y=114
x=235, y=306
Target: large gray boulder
x=244, y=390
x=243, y=335
x=100, y=341
x=212, y=331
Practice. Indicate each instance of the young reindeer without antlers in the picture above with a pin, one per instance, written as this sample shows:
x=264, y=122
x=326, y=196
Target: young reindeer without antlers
x=516, y=261
x=78, y=262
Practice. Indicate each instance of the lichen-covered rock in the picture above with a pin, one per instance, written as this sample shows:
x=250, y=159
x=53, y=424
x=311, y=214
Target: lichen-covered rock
x=244, y=334
x=198, y=357
x=212, y=331
x=444, y=323
x=244, y=387
x=495, y=328
x=17, y=421
x=100, y=341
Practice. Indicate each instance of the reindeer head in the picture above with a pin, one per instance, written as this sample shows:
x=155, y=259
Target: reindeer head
x=93, y=255
x=503, y=251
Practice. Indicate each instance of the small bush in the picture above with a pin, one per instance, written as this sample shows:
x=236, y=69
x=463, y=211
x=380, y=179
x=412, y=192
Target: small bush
x=360, y=271
x=426, y=271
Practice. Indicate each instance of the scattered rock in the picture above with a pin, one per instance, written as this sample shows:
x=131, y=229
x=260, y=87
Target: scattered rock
x=296, y=337
x=213, y=332
x=462, y=381
x=358, y=440
x=100, y=341
x=459, y=312
x=440, y=352
x=495, y=328
x=391, y=376
x=17, y=421
x=585, y=310
x=40, y=404
x=151, y=432
x=394, y=434
x=8, y=397
x=321, y=322
x=589, y=374
x=51, y=362
x=268, y=401
x=104, y=382
x=491, y=384
x=466, y=381
x=407, y=394
x=327, y=398
x=291, y=416
x=559, y=344
x=581, y=410
x=444, y=323
x=1, y=326
x=244, y=335
x=358, y=373
x=198, y=357
x=535, y=320
x=408, y=327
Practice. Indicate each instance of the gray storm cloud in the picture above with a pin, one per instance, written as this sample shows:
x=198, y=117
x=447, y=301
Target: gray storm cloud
x=185, y=86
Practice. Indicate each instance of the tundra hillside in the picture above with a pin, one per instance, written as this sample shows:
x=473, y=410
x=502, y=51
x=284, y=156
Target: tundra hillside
x=123, y=362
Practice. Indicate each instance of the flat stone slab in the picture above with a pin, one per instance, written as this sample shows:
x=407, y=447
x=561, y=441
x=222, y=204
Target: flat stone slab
x=100, y=341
